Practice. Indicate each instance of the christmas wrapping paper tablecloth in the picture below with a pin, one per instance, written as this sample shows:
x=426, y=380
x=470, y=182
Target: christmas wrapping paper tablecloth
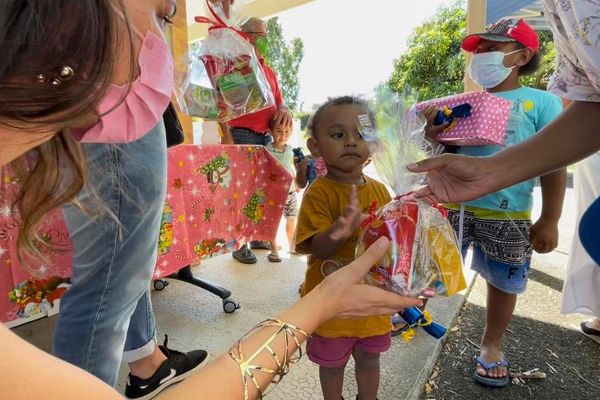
x=217, y=196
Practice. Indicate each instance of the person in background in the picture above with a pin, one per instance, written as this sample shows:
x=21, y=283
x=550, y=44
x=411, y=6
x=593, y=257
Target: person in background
x=283, y=153
x=253, y=129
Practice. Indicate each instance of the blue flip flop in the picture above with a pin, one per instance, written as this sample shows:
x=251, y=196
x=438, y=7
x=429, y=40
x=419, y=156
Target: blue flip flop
x=488, y=380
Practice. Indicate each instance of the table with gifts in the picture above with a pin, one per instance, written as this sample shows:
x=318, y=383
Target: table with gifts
x=217, y=196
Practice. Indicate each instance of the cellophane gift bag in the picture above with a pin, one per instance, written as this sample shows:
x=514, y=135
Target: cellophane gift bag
x=424, y=259
x=224, y=78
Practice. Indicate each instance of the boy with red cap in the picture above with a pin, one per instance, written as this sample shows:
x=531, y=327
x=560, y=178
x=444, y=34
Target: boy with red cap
x=499, y=225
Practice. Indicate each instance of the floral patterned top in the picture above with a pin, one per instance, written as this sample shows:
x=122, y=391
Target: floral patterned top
x=576, y=28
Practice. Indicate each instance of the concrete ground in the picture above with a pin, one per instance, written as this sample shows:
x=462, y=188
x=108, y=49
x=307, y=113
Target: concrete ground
x=194, y=318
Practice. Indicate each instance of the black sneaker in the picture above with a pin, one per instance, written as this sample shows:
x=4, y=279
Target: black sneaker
x=175, y=368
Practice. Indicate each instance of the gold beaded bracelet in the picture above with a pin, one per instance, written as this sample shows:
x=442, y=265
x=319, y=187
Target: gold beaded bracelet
x=248, y=369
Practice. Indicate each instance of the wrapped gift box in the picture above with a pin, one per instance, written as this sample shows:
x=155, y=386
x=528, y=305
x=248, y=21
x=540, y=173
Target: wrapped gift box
x=485, y=126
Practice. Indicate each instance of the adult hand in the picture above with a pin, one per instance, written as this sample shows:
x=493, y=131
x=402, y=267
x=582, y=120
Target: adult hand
x=455, y=178
x=282, y=118
x=345, y=294
x=225, y=4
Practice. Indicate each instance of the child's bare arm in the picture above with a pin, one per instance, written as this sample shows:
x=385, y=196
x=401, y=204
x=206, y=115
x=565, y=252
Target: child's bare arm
x=301, y=173
x=324, y=244
x=544, y=233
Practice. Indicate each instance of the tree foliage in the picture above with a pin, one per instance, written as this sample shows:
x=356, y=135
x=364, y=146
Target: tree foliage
x=433, y=65
x=285, y=58
x=540, y=78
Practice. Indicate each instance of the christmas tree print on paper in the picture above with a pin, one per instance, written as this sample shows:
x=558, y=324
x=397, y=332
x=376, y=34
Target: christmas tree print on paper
x=165, y=238
x=255, y=209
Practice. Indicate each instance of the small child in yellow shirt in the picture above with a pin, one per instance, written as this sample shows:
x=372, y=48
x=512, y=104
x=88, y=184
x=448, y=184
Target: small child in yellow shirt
x=328, y=231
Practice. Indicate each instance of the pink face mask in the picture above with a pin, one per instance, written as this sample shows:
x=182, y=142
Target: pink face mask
x=148, y=97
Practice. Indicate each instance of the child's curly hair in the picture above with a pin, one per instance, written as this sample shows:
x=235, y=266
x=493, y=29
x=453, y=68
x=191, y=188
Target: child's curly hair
x=335, y=101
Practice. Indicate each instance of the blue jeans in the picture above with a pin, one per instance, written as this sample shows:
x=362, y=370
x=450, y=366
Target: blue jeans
x=249, y=137
x=106, y=316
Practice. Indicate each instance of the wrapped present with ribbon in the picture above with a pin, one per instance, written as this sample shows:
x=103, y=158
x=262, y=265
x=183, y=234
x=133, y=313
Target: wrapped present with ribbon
x=224, y=78
x=474, y=118
x=424, y=259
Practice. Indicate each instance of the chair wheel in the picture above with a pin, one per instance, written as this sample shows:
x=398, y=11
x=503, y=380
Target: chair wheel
x=230, y=305
x=160, y=284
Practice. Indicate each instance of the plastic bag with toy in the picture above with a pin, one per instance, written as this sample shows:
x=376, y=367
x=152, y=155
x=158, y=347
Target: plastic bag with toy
x=223, y=79
x=424, y=259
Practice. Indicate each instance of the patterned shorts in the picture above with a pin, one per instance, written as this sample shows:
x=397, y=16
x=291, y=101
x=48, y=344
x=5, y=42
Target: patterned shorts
x=291, y=206
x=501, y=248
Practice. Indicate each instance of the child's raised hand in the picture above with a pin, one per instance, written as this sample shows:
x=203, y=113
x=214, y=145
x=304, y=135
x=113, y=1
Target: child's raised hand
x=301, y=165
x=350, y=219
x=544, y=236
x=431, y=131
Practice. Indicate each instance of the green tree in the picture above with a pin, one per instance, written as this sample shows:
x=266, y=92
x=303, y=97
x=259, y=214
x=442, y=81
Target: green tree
x=285, y=58
x=433, y=65
x=539, y=79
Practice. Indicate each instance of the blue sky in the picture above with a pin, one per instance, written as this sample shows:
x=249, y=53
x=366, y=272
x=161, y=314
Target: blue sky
x=350, y=45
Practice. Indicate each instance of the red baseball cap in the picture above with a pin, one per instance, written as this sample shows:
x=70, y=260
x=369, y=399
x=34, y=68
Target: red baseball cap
x=504, y=31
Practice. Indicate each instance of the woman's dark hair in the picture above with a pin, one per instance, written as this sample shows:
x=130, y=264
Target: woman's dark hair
x=335, y=101
x=533, y=64
x=38, y=38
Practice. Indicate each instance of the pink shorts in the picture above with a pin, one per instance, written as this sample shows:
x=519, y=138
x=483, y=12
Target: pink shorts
x=335, y=352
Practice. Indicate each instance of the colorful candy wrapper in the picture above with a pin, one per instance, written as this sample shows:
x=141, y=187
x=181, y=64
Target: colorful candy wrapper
x=424, y=259
x=224, y=79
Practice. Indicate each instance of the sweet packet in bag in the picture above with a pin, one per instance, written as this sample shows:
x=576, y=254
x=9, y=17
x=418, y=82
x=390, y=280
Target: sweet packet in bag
x=424, y=259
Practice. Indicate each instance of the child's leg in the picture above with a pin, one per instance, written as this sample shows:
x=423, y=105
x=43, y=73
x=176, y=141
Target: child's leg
x=499, y=312
x=332, y=380
x=331, y=355
x=501, y=255
x=367, y=371
x=274, y=254
x=366, y=364
x=290, y=230
x=290, y=212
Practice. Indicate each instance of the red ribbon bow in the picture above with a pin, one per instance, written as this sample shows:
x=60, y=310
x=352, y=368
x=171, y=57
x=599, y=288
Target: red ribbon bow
x=372, y=215
x=217, y=22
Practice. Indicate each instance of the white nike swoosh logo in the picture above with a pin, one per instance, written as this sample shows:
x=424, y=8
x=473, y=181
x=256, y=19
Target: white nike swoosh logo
x=168, y=378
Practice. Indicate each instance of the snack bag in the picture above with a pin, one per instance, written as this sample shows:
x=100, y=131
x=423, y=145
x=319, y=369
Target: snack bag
x=424, y=258
x=224, y=78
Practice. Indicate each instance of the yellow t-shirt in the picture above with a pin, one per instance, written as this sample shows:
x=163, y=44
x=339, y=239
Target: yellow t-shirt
x=322, y=204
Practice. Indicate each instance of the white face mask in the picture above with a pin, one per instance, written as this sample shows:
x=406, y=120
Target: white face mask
x=488, y=70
